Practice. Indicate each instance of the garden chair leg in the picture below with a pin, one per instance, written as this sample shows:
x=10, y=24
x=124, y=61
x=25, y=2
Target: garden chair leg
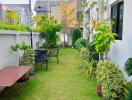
x=46, y=66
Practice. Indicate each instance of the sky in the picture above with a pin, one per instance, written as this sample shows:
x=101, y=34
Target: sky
x=18, y=2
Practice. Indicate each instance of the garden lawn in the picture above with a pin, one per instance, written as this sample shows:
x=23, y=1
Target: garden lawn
x=62, y=81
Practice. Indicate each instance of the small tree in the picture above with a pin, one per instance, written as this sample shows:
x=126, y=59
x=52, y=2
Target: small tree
x=42, y=19
x=103, y=38
x=51, y=36
x=75, y=36
x=48, y=27
x=67, y=17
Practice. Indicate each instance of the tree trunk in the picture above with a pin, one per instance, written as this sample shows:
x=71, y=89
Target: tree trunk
x=64, y=40
x=99, y=56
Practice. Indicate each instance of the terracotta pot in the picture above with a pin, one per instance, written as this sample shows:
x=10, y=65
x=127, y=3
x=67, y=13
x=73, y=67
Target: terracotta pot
x=99, y=90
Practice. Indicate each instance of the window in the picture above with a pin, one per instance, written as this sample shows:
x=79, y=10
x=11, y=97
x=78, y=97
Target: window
x=117, y=18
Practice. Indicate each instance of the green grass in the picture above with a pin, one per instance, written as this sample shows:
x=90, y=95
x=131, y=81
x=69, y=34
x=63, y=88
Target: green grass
x=62, y=81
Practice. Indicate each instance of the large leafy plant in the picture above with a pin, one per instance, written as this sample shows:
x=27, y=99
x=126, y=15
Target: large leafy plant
x=112, y=80
x=128, y=66
x=103, y=38
x=20, y=47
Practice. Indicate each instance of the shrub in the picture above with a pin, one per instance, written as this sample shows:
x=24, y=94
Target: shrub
x=128, y=66
x=22, y=46
x=86, y=64
x=17, y=47
x=80, y=43
x=84, y=54
x=14, y=27
x=75, y=36
x=88, y=69
x=49, y=34
x=111, y=78
x=28, y=59
x=129, y=95
x=94, y=56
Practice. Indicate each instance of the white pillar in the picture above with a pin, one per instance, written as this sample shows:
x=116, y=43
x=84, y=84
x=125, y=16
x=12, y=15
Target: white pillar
x=85, y=28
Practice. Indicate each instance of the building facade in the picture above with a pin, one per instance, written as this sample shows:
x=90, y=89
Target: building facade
x=122, y=49
x=48, y=7
x=22, y=11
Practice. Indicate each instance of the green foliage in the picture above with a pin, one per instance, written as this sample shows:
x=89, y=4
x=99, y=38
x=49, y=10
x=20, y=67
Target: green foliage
x=85, y=3
x=42, y=22
x=75, y=36
x=50, y=34
x=11, y=17
x=128, y=66
x=129, y=95
x=94, y=56
x=112, y=80
x=80, y=43
x=103, y=38
x=11, y=23
x=15, y=47
x=85, y=54
x=14, y=27
x=86, y=64
x=41, y=19
x=48, y=27
x=28, y=58
x=22, y=46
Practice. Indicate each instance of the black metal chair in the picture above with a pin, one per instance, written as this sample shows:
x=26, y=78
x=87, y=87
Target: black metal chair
x=41, y=56
x=55, y=53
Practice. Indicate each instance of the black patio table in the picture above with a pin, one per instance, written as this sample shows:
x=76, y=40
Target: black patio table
x=41, y=56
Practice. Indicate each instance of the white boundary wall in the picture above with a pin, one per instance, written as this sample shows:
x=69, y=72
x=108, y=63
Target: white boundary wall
x=8, y=38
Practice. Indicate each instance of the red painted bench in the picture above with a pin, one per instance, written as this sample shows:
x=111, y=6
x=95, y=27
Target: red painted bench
x=10, y=75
